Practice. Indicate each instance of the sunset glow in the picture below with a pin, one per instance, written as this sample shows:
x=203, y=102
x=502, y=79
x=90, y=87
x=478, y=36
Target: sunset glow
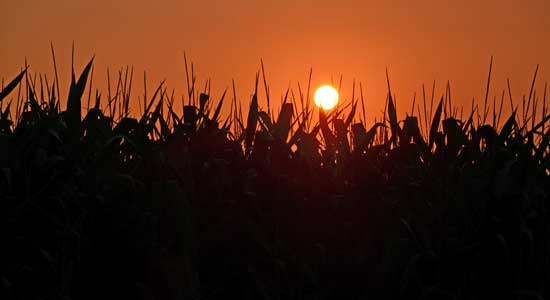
x=326, y=97
x=199, y=149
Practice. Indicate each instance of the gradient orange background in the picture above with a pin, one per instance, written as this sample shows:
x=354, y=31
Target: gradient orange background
x=418, y=41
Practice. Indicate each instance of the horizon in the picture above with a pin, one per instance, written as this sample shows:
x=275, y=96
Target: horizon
x=452, y=42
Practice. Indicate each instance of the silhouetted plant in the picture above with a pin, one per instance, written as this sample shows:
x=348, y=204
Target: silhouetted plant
x=170, y=206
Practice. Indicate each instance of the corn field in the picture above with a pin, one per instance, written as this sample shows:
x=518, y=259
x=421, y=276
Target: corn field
x=283, y=202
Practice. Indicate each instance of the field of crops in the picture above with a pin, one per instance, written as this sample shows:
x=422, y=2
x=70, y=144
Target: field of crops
x=282, y=202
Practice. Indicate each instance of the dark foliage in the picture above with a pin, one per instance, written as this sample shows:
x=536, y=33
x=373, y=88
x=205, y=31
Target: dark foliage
x=170, y=207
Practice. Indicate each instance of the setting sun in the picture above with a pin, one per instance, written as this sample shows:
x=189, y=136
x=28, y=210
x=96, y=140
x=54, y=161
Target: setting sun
x=326, y=97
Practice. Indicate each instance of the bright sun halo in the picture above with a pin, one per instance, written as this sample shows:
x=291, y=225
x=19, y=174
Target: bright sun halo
x=326, y=97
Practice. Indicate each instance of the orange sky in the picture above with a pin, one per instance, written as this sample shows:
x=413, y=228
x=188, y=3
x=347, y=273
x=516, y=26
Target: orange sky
x=418, y=41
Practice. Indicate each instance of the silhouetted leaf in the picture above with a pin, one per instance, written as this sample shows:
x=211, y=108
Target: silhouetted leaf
x=392, y=114
x=282, y=126
x=541, y=149
x=508, y=126
x=372, y=132
x=9, y=88
x=435, y=122
x=190, y=116
x=341, y=136
x=218, y=108
x=359, y=134
x=330, y=140
x=540, y=124
x=73, y=114
x=251, y=122
x=203, y=99
x=32, y=101
x=148, y=108
x=266, y=120
x=349, y=119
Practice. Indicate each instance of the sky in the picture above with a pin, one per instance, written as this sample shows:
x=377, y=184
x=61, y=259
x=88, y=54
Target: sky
x=416, y=41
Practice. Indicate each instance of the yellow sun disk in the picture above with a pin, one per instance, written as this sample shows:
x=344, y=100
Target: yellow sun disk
x=326, y=97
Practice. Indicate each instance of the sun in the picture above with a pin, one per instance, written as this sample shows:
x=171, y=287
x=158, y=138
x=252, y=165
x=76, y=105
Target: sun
x=326, y=97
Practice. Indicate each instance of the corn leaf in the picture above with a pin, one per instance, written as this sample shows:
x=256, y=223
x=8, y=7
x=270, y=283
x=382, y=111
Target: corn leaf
x=12, y=85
